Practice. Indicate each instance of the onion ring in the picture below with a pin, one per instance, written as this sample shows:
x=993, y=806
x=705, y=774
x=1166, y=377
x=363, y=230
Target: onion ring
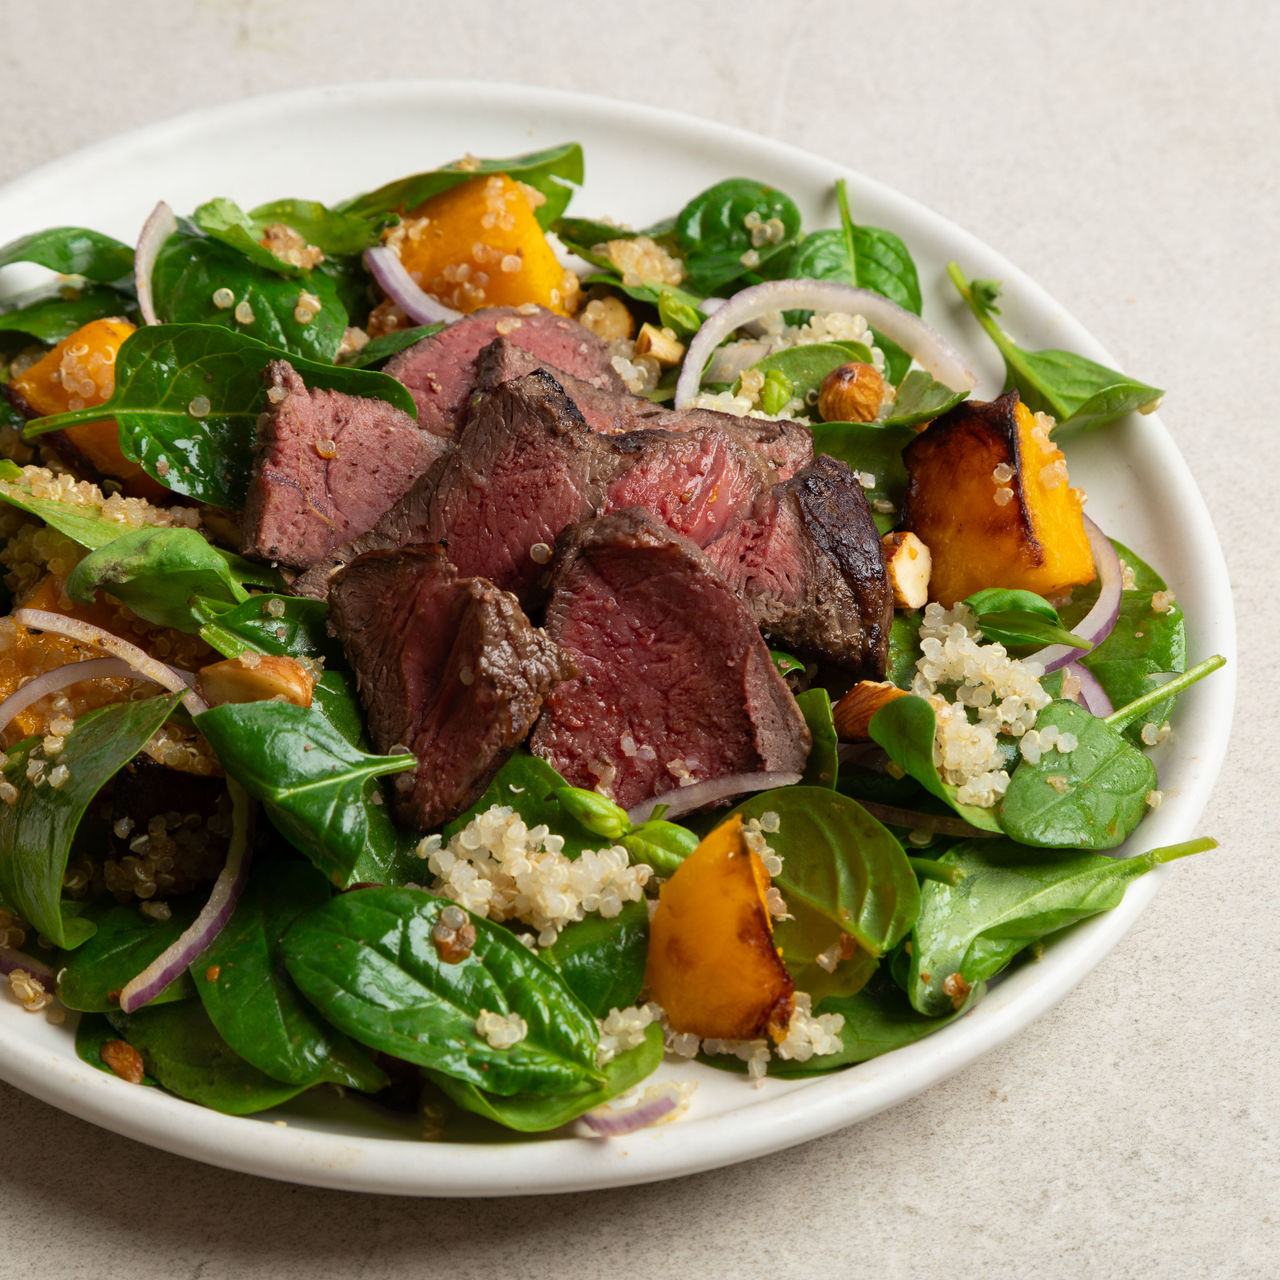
x=1096, y=625
x=686, y=799
x=159, y=226
x=386, y=268
x=59, y=678
x=608, y=1122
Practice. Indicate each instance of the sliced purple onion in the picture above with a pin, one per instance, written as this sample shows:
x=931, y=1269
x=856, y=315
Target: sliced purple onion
x=60, y=678
x=155, y=231
x=609, y=1122
x=1093, y=697
x=1096, y=625
x=939, y=824
x=158, y=672
x=11, y=961
x=729, y=363
x=698, y=795
x=386, y=268
x=176, y=958
x=929, y=348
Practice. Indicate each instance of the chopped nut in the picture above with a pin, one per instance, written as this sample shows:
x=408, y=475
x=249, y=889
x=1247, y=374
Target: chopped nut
x=852, y=714
x=956, y=989
x=256, y=677
x=608, y=318
x=124, y=1060
x=851, y=393
x=660, y=345
x=910, y=565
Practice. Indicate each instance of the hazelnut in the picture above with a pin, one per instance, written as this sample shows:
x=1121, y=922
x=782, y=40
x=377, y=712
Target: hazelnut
x=910, y=566
x=660, y=345
x=256, y=677
x=124, y=1060
x=852, y=714
x=851, y=393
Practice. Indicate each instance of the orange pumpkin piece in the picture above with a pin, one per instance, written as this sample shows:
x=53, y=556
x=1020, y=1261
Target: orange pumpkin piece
x=80, y=372
x=479, y=245
x=713, y=965
x=989, y=497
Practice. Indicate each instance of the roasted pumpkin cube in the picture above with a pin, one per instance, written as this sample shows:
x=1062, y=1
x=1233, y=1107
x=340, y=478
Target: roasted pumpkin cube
x=989, y=496
x=79, y=372
x=713, y=965
x=479, y=245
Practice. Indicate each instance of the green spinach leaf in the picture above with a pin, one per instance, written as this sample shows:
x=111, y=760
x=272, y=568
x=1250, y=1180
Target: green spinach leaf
x=823, y=766
x=602, y=961
x=804, y=368
x=534, y=1113
x=72, y=251
x=382, y=349
x=969, y=932
x=1089, y=798
x=333, y=231
x=1018, y=618
x=93, y=1033
x=125, y=943
x=162, y=371
x=554, y=172
x=1079, y=393
x=184, y=1052
x=663, y=845
x=712, y=231
x=315, y=785
x=252, y=1001
x=920, y=399
x=367, y=961
x=36, y=830
x=50, y=317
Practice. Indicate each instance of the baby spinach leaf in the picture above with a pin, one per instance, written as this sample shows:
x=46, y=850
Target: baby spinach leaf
x=905, y=728
x=1089, y=798
x=877, y=1020
x=1005, y=902
x=192, y=267
x=184, y=1052
x=602, y=961
x=72, y=251
x=158, y=573
x=554, y=172
x=921, y=398
x=805, y=368
x=50, y=317
x=874, y=449
x=784, y=663
x=252, y=1001
x=162, y=370
x=382, y=349
x=334, y=232
x=904, y=649
x=842, y=872
x=224, y=220
x=1011, y=617
x=534, y=1113
x=712, y=231
x=1079, y=393
x=582, y=235
x=1142, y=707
x=366, y=960
x=93, y=1033
x=663, y=845
x=317, y=788
x=125, y=943
x=36, y=830
x=1144, y=646
x=677, y=308
x=823, y=766
x=82, y=524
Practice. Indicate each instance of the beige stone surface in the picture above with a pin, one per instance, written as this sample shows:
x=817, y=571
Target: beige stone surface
x=1125, y=155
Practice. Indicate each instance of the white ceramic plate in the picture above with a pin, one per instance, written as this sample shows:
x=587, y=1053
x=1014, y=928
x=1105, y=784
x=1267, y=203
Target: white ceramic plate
x=641, y=164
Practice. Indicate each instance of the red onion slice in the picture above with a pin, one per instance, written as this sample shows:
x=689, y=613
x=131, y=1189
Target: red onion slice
x=1093, y=697
x=155, y=231
x=610, y=1122
x=929, y=348
x=1096, y=625
x=938, y=823
x=11, y=960
x=386, y=268
x=700, y=794
x=160, y=673
x=61, y=678
x=176, y=958
x=729, y=363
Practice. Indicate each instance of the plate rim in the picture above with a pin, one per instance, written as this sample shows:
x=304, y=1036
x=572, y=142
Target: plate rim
x=797, y=1111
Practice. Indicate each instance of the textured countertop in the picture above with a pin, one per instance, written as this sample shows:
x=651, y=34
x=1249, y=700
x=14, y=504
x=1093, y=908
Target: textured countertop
x=1125, y=155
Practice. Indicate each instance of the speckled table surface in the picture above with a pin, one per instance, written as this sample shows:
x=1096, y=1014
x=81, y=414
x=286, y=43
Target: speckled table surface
x=1124, y=154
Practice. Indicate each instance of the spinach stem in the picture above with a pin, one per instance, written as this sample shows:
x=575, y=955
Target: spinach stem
x=1201, y=844
x=929, y=869
x=846, y=227
x=1128, y=713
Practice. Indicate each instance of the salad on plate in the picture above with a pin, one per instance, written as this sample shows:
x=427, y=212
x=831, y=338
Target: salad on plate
x=464, y=653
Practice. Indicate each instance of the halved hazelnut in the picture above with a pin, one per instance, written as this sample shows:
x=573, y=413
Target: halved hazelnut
x=660, y=345
x=256, y=677
x=910, y=565
x=852, y=714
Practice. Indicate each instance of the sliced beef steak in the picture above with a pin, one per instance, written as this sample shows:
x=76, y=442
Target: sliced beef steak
x=612, y=411
x=810, y=566
x=327, y=466
x=440, y=370
x=525, y=466
x=446, y=666
x=674, y=680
